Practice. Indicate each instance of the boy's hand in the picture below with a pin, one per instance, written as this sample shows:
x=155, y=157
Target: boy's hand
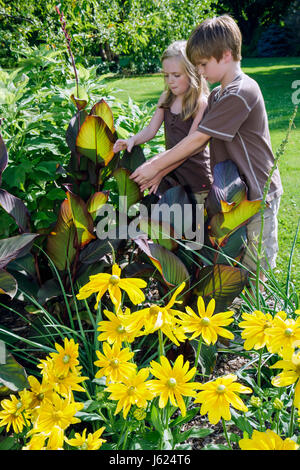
x=122, y=144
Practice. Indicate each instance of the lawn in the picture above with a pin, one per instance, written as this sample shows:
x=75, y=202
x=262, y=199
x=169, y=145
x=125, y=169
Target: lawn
x=275, y=77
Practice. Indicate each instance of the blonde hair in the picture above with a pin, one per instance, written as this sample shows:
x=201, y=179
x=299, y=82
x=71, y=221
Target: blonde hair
x=213, y=37
x=198, y=86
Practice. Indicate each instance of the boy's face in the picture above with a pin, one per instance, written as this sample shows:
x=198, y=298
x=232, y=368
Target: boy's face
x=212, y=70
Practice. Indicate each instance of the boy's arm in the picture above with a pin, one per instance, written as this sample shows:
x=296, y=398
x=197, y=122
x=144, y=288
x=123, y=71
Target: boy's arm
x=170, y=159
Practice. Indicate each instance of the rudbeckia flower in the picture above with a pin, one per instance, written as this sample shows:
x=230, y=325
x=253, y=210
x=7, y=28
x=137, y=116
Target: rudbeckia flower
x=217, y=396
x=206, y=323
x=133, y=390
x=268, y=440
x=150, y=319
x=14, y=414
x=173, y=382
x=285, y=332
x=290, y=374
x=114, y=363
x=115, y=329
x=255, y=326
x=92, y=441
x=102, y=282
x=66, y=357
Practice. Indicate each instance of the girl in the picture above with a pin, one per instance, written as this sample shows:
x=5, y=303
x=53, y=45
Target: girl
x=180, y=108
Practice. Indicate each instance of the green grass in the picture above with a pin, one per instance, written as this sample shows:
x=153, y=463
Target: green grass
x=275, y=77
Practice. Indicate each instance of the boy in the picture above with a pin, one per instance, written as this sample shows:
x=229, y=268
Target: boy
x=235, y=123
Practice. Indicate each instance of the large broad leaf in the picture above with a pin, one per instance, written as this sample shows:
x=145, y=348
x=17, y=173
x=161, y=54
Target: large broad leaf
x=222, y=224
x=8, y=284
x=222, y=283
x=127, y=188
x=13, y=375
x=228, y=189
x=103, y=110
x=61, y=245
x=159, y=232
x=95, y=202
x=231, y=249
x=132, y=160
x=80, y=98
x=15, y=208
x=19, y=245
x=94, y=251
x=169, y=265
x=82, y=219
x=3, y=157
x=73, y=129
x=95, y=140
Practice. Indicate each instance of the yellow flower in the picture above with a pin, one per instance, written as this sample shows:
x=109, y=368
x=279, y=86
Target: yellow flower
x=206, y=324
x=132, y=391
x=55, y=439
x=115, y=330
x=268, y=440
x=114, y=363
x=56, y=412
x=66, y=359
x=290, y=374
x=217, y=396
x=172, y=382
x=284, y=333
x=39, y=391
x=112, y=283
x=91, y=442
x=14, y=414
x=255, y=325
x=158, y=317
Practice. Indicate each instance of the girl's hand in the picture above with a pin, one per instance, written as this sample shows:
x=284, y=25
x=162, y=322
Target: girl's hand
x=123, y=144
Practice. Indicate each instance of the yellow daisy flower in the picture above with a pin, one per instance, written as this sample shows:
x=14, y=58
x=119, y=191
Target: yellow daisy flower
x=290, y=374
x=65, y=385
x=39, y=391
x=255, y=325
x=115, y=329
x=14, y=414
x=217, y=396
x=173, y=382
x=267, y=440
x=206, y=324
x=132, y=391
x=284, y=333
x=66, y=359
x=57, y=412
x=114, y=363
x=157, y=317
x=90, y=442
x=102, y=282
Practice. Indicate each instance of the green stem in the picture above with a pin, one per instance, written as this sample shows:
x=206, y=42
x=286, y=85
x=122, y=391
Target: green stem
x=198, y=354
x=226, y=434
x=291, y=426
x=259, y=368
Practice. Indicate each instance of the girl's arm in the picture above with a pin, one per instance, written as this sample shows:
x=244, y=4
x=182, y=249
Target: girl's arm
x=145, y=134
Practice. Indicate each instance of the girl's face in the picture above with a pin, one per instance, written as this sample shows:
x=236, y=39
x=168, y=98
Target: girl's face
x=175, y=76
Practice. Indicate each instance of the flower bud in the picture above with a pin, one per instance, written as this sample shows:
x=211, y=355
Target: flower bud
x=255, y=402
x=278, y=404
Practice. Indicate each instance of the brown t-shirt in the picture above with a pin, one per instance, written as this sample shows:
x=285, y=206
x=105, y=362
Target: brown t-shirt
x=194, y=173
x=237, y=122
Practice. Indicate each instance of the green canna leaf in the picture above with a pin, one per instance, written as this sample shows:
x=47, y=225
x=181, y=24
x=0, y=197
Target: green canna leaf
x=8, y=284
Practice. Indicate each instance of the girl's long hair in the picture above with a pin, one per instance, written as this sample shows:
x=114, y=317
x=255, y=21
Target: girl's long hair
x=198, y=86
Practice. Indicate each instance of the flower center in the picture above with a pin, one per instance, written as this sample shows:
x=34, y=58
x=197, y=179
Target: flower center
x=114, y=363
x=84, y=446
x=288, y=332
x=205, y=321
x=114, y=279
x=41, y=396
x=221, y=388
x=131, y=390
x=121, y=329
x=172, y=382
x=154, y=310
x=57, y=415
x=66, y=359
x=267, y=325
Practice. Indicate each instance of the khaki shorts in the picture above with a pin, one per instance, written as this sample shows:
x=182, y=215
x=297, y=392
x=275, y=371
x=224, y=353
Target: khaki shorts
x=269, y=239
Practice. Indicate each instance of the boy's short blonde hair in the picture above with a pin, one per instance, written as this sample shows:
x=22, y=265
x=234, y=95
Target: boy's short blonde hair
x=213, y=37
